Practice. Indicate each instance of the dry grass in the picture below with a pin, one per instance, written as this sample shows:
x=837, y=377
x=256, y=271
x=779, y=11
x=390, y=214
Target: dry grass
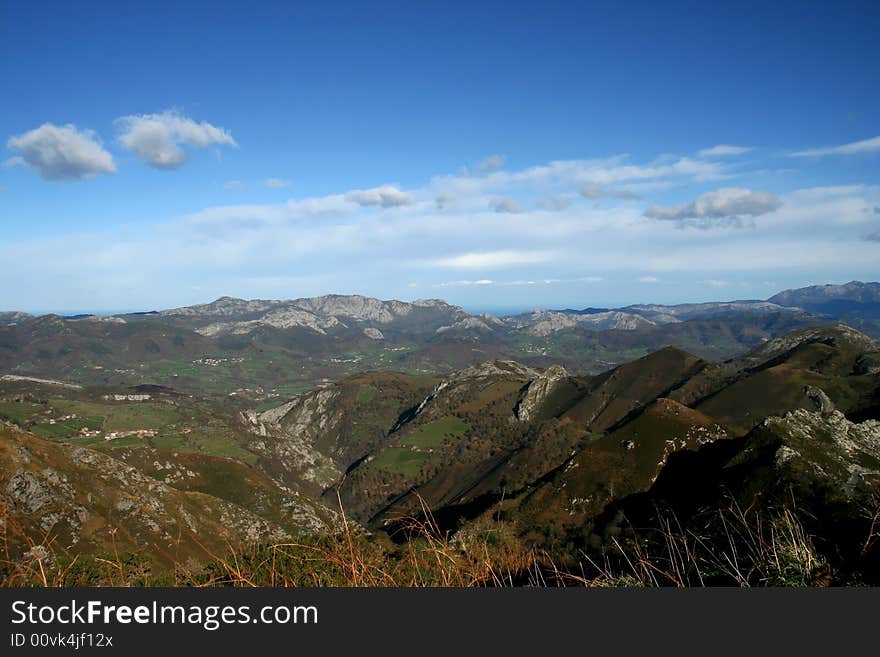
x=739, y=547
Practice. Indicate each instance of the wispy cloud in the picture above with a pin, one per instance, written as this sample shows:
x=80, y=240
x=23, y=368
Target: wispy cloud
x=158, y=139
x=853, y=148
x=648, y=279
x=492, y=259
x=61, y=152
x=466, y=283
x=277, y=183
x=233, y=185
x=724, y=150
x=594, y=191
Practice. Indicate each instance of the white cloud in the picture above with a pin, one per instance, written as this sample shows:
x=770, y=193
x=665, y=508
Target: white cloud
x=61, y=153
x=158, y=139
x=593, y=191
x=560, y=177
x=277, y=183
x=233, y=185
x=722, y=150
x=315, y=245
x=492, y=259
x=714, y=282
x=505, y=204
x=718, y=207
x=648, y=279
x=853, y=148
x=466, y=283
x=386, y=196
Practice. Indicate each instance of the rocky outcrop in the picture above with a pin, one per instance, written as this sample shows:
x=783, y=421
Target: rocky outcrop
x=373, y=333
x=362, y=309
x=817, y=454
x=468, y=382
x=537, y=391
x=840, y=335
x=818, y=399
x=542, y=323
x=280, y=318
x=466, y=324
x=289, y=435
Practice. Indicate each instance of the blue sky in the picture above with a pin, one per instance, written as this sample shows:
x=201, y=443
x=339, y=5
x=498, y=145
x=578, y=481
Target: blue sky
x=505, y=155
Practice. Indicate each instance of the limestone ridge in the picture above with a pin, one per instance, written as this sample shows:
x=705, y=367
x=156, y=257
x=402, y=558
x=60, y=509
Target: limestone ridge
x=537, y=390
x=821, y=451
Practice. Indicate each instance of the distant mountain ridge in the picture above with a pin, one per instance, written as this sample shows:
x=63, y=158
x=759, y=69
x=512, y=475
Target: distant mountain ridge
x=230, y=315
x=854, y=299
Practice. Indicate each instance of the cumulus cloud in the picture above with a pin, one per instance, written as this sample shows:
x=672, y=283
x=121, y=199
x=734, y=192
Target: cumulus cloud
x=386, y=196
x=158, y=139
x=277, y=183
x=723, y=206
x=61, y=152
x=492, y=259
x=853, y=148
x=505, y=204
x=722, y=150
x=593, y=191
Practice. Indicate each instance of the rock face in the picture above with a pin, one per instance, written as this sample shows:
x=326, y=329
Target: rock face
x=467, y=324
x=319, y=314
x=282, y=318
x=467, y=384
x=355, y=307
x=373, y=333
x=818, y=454
x=542, y=323
x=537, y=391
x=289, y=433
x=819, y=399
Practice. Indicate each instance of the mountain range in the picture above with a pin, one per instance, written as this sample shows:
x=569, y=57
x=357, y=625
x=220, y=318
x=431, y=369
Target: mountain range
x=126, y=433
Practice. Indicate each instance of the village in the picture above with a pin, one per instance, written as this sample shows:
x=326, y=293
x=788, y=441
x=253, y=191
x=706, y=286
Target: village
x=214, y=362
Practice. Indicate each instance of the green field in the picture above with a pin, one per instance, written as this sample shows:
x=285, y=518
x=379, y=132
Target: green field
x=19, y=412
x=400, y=460
x=121, y=416
x=433, y=433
